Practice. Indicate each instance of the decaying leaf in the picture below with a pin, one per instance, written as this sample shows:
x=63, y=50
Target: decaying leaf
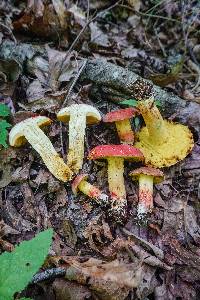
x=170, y=77
x=46, y=92
x=109, y=280
x=97, y=232
x=41, y=19
x=66, y=290
x=98, y=37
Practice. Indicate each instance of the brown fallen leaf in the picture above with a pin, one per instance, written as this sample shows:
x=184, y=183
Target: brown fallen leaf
x=98, y=232
x=46, y=92
x=42, y=19
x=109, y=280
x=65, y=290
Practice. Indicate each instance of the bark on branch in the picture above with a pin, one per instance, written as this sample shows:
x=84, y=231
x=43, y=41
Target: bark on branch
x=113, y=81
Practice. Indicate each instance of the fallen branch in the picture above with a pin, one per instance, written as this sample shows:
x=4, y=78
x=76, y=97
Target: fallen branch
x=114, y=82
x=111, y=82
x=49, y=274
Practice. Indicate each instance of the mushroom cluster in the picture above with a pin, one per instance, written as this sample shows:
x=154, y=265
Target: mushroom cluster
x=161, y=143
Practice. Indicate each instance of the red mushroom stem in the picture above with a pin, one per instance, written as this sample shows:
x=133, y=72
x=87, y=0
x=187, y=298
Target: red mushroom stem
x=80, y=183
x=145, y=204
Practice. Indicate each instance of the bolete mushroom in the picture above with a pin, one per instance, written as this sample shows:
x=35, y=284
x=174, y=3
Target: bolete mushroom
x=78, y=116
x=122, y=118
x=80, y=183
x=163, y=143
x=29, y=130
x=115, y=156
x=146, y=176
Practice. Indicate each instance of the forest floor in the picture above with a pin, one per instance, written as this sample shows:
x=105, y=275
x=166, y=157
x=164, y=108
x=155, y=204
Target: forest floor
x=45, y=47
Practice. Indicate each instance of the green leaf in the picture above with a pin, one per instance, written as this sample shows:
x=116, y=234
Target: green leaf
x=158, y=103
x=17, y=268
x=137, y=122
x=3, y=132
x=4, y=110
x=129, y=102
x=25, y=299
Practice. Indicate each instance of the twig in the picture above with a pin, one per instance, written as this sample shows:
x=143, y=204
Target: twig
x=86, y=25
x=74, y=82
x=88, y=10
x=157, y=251
x=196, y=68
x=48, y=274
x=148, y=15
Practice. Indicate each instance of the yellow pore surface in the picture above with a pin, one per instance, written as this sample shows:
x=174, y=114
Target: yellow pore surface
x=175, y=147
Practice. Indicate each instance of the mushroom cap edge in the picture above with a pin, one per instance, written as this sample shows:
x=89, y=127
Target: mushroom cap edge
x=16, y=135
x=92, y=114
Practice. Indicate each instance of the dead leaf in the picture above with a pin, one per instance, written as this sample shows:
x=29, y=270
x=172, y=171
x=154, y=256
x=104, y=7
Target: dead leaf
x=65, y=290
x=98, y=37
x=61, y=12
x=97, y=232
x=171, y=77
x=111, y=281
x=41, y=19
x=68, y=233
x=45, y=92
x=148, y=282
x=135, y=4
x=6, y=246
x=191, y=223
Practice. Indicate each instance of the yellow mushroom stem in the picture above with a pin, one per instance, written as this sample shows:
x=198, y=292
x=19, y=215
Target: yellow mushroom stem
x=117, y=188
x=93, y=192
x=41, y=143
x=77, y=126
x=145, y=195
x=116, y=178
x=125, y=131
x=154, y=121
x=162, y=142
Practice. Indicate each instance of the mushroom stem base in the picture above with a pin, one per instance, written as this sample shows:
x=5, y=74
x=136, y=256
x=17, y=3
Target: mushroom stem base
x=117, y=188
x=125, y=131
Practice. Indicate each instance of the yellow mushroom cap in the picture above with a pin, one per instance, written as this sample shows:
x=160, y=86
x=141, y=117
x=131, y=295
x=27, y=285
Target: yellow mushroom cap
x=176, y=147
x=16, y=135
x=91, y=113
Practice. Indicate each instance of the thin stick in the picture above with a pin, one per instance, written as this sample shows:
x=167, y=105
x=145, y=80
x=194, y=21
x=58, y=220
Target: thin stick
x=148, y=15
x=48, y=274
x=86, y=25
x=88, y=10
x=74, y=82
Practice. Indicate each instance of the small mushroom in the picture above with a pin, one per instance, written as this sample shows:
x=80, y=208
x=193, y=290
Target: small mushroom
x=115, y=156
x=80, y=183
x=29, y=130
x=122, y=118
x=146, y=176
x=163, y=143
x=78, y=115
